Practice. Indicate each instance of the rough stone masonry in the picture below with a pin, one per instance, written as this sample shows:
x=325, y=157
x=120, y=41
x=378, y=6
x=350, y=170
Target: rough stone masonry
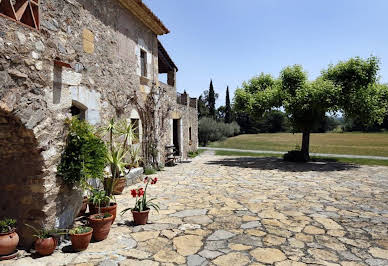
x=83, y=55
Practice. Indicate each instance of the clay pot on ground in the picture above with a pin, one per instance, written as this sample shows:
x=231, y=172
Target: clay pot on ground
x=140, y=218
x=84, y=206
x=120, y=184
x=45, y=246
x=112, y=209
x=101, y=226
x=8, y=242
x=81, y=242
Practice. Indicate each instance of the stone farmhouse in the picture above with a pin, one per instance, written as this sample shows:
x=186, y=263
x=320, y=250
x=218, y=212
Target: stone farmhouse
x=92, y=58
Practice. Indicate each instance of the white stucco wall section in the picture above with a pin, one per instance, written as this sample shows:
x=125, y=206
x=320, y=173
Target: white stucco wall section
x=90, y=99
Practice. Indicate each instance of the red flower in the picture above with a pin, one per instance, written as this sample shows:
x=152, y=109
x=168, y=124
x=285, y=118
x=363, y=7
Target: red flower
x=153, y=181
x=140, y=192
x=133, y=193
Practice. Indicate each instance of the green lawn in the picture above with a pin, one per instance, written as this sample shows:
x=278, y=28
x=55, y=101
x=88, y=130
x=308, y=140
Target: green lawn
x=375, y=144
x=341, y=160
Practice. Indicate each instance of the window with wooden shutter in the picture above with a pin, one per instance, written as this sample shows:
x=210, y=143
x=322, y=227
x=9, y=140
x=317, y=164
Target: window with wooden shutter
x=25, y=12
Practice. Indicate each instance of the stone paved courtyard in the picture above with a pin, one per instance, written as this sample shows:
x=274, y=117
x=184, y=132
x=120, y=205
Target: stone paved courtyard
x=238, y=211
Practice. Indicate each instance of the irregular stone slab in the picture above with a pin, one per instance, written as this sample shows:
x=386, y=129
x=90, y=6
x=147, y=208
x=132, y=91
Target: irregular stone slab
x=195, y=260
x=220, y=235
x=328, y=223
x=201, y=219
x=234, y=258
x=250, y=225
x=239, y=247
x=170, y=256
x=210, y=254
x=187, y=244
x=268, y=255
x=134, y=253
x=246, y=240
x=186, y=213
x=170, y=233
x=322, y=254
x=290, y=263
x=273, y=240
x=312, y=230
x=216, y=245
x=379, y=253
x=185, y=227
x=145, y=235
x=130, y=262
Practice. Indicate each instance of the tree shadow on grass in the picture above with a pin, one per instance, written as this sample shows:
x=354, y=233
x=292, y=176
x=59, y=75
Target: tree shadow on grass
x=274, y=163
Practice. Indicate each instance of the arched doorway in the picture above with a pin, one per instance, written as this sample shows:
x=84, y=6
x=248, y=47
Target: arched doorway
x=21, y=176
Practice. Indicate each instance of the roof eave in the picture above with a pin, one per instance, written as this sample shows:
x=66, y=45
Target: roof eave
x=145, y=15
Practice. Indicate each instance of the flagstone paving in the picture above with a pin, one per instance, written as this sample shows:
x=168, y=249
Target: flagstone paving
x=256, y=211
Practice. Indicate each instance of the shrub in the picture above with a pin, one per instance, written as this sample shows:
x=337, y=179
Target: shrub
x=211, y=130
x=7, y=225
x=84, y=155
x=295, y=156
x=149, y=171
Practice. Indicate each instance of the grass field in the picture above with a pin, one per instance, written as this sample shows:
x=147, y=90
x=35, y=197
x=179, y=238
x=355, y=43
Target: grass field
x=334, y=159
x=374, y=144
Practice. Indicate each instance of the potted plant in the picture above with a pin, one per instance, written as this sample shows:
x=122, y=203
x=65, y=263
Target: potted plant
x=80, y=237
x=100, y=202
x=46, y=241
x=101, y=223
x=83, y=158
x=121, y=136
x=142, y=205
x=9, y=239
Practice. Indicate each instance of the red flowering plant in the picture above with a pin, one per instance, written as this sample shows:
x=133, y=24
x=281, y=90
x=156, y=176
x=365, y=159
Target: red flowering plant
x=142, y=204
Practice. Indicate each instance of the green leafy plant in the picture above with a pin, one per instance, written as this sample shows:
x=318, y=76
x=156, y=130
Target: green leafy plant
x=193, y=154
x=7, y=225
x=100, y=198
x=149, y=170
x=141, y=203
x=46, y=233
x=80, y=230
x=135, y=157
x=102, y=215
x=84, y=156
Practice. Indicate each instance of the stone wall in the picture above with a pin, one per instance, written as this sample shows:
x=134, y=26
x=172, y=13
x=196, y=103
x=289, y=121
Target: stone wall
x=86, y=54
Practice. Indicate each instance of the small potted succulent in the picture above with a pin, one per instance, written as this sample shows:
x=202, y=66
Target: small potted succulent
x=101, y=223
x=9, y=239
x=100, y=202
x=80, y=237
x=142, y=205
x=46, y=241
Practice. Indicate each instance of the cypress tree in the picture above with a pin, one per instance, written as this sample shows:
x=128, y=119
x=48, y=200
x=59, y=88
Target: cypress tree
x=212, y=101
x=228, y=109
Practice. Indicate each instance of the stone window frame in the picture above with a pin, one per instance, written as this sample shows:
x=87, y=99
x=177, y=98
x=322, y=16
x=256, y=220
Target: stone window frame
x=83, y=110
x=24, y=12
x=143, y=63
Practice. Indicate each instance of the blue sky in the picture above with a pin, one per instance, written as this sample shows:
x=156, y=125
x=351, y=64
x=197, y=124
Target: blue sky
x=230, y=41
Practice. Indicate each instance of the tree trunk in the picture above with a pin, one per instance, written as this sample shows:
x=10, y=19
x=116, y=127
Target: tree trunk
x=306, y=145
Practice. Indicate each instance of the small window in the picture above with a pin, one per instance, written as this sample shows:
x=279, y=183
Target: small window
x=135, y=124
x=78, y=110
x=190, y=133
x=24, y=11
x=143, y=63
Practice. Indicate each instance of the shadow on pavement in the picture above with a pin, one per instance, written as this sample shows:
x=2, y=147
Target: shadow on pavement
x=273, y=163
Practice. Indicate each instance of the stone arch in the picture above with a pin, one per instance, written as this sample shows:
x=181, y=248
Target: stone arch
x=21, y=176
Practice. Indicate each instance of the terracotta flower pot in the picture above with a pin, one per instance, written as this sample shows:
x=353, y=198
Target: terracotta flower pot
x=81, y=242
x=112, y=209
x=140, y=218
x=101, y=227
x=8, y=242
x=119, y=186
x=46, y=246
x=84, y=206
